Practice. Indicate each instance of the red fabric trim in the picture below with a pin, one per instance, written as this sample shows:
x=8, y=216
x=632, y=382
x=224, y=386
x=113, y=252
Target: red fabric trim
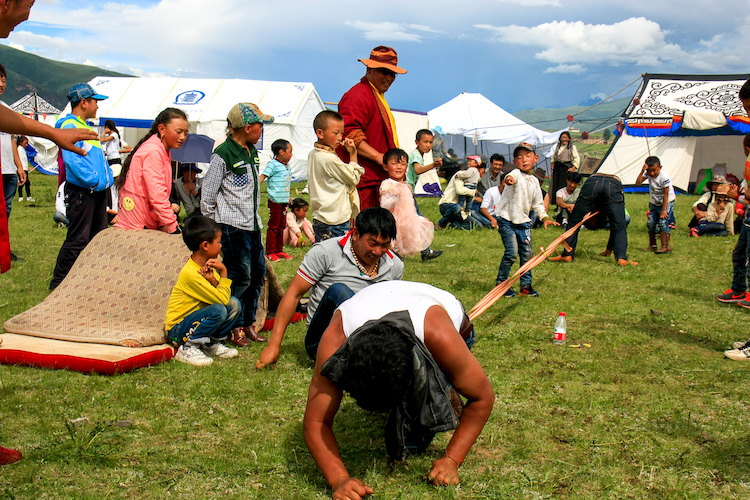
x=268, y=325
x=739, y=118
x=306, y=277
x=85, y=365
x=344, y=239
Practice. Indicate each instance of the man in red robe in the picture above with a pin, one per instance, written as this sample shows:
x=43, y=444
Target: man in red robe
x=368, y=121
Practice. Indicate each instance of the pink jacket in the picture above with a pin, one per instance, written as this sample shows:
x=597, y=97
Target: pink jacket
x=144, y=199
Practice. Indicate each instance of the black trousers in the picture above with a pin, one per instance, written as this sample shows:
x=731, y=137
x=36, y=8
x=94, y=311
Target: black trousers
x=558, y=180
x=87, y=213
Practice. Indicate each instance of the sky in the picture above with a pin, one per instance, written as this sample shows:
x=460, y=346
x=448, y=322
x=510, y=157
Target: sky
x=521, y=54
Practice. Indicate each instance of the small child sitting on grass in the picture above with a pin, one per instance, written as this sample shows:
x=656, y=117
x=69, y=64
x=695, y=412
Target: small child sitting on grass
x=661, y=204
x=566, y=197
x=719, y=219
x=297, y=223
x=201, y=310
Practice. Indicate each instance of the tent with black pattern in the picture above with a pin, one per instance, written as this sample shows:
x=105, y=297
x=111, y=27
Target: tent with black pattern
x=691, y=122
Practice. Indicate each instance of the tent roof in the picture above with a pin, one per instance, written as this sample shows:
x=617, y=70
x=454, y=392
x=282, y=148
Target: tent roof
x=204, y=100
x=32, y=103
x=663, y=96
x=473, y=115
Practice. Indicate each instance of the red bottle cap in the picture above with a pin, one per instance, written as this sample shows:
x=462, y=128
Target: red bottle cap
x=562, y=314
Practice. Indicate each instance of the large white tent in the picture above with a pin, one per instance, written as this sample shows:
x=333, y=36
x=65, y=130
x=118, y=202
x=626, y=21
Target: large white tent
x=472, y=124
x=135, y=102
x=691, y=122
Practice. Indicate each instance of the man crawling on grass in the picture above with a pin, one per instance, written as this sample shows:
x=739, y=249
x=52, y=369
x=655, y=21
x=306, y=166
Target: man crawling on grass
x=398, y=347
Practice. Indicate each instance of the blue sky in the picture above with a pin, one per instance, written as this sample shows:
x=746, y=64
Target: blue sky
x=519, y=53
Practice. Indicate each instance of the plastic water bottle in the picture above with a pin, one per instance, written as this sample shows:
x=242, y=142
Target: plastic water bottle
x=561, y=329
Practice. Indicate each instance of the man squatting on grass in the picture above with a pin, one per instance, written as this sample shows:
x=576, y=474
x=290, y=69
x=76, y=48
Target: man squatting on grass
x=12, y=13
x=333, y=271
x=398, y=347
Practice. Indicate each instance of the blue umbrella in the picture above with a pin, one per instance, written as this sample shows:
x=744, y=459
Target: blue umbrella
x=196, y=149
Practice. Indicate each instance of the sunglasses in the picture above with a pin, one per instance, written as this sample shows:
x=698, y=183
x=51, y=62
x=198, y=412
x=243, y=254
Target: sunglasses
x=386, y=72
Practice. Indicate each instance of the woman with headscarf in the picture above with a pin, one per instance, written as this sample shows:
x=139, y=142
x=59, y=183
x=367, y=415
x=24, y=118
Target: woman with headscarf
x=564, y=160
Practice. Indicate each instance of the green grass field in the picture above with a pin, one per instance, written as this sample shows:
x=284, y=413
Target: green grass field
x=651, y=410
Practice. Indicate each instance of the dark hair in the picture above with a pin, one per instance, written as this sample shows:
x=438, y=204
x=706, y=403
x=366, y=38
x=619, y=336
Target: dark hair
x=199, y=229
x=321, y=121
x=298, y=203
x=497, y=157
x=279, y=145
x=653, y=160
x=746, y=141
x=569, y=145
x=3, y=73
x=380, y=368
x=423, y=132
x=110, y=124
x=574, y=176
x=163, y=118
x=398, y=154
x=744, y=91
x=75, y=104
x=20, y=139
x=377, y=221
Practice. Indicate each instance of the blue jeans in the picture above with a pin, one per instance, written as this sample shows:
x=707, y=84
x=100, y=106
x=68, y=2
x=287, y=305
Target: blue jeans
x=207, y=325
x=655, y=223
x=10, y=185
x=59, y=217
x=603, y=194
x=336, y=295
x=740, y=258
x=246, y=267
x=325, y=231
x=517, y=242
x=713, y=228
x=451, y=214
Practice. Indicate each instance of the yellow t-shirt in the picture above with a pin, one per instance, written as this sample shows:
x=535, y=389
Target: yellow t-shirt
x=192, y=292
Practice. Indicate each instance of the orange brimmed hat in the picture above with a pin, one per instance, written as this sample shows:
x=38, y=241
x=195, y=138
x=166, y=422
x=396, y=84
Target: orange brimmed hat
x=383, y=57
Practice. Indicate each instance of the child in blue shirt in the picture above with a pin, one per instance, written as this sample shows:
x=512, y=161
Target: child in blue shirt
x=279, y=186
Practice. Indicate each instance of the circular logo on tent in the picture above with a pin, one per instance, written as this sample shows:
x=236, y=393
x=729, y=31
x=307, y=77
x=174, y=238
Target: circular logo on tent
x=189, y=97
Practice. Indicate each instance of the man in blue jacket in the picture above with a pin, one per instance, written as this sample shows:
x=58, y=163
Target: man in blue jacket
x=87, y=180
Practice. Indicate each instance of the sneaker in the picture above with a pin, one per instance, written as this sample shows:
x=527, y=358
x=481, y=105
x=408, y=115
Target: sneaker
x=219, y=350
x=741, y=354
x=740, y=343
x=20, y=198
x=273, y=257
x=744, y=303
x=694, y=232
x=16, y=258
x=509, y=293
x=432, y=254
x=527, y=291
x=193, y=356
x=731, y=296
x=284, y=255
x=29, y=198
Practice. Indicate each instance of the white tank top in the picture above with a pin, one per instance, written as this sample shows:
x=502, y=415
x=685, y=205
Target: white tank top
x=379, y=299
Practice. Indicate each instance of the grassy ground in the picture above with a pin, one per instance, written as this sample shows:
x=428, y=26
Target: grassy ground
x=650, y=410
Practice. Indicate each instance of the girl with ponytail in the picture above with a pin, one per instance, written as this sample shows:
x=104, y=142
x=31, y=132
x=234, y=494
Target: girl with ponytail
x=146, y=178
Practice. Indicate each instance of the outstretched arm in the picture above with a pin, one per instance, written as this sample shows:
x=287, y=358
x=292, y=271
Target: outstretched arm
x=288, y=305
x=13, y=123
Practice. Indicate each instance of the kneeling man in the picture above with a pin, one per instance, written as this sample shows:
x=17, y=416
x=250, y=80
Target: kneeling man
x=398, y=347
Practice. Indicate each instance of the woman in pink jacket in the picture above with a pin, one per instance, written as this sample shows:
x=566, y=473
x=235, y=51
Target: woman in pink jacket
x=146, y=178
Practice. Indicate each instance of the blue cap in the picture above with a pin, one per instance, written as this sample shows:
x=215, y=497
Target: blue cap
x=82, y=91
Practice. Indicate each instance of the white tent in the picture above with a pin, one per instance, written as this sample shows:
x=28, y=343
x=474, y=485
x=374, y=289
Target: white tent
x=691, y=122
x=135, y=102
x=472, y=124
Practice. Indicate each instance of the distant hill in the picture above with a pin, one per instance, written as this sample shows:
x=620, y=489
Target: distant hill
x=593, y=99
x=554, y=119
x=50, y=79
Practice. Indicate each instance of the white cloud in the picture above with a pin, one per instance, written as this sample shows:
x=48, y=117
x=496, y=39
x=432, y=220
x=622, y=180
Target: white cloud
x=16, y=46
x=390, y=32
x=713, y=43
x=566, y=68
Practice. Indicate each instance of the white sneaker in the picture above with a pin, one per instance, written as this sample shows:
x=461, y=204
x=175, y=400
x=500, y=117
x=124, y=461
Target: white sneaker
x=20, y=199
x=219, y=350
x=741, y=354
x=193, y=356
x=739, y=344
x=29, y=198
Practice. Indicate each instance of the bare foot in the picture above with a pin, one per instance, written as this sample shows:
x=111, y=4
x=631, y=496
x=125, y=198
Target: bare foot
x=626, y=262
x=606, y=253
x=562, y=258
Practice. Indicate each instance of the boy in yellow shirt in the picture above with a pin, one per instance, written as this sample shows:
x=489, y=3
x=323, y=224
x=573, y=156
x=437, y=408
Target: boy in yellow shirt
x=201, y=310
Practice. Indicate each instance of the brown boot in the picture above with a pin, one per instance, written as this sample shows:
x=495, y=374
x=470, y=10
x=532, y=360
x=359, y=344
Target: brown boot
x=651, y=243
x=665, y=246
x=238, y=338
x=251, y=334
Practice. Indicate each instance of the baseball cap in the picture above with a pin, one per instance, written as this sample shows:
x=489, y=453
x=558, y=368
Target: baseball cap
x=246, y=113
x=476, y=158
x=81, y=91
x=523, y=145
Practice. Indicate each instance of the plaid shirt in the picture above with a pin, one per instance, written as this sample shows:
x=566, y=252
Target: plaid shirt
x=231, y=192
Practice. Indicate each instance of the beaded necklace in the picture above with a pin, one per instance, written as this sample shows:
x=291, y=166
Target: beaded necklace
x=362, y=269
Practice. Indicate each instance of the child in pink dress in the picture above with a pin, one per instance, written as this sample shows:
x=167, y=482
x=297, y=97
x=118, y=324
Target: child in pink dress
x=297, y=223
x=414, y=233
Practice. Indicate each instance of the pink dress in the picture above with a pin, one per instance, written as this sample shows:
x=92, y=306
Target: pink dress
x=413, y=232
